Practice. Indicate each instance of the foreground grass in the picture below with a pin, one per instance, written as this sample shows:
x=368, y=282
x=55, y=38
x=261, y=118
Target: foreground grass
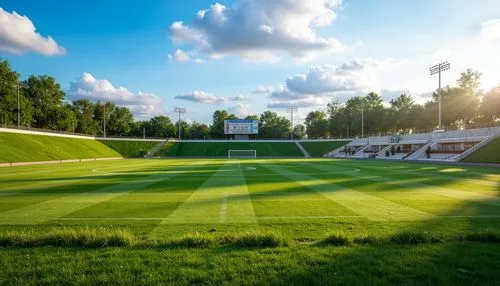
x=431, y=264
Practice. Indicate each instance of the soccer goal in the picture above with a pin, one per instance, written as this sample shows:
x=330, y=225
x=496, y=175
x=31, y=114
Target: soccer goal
x=242, y=154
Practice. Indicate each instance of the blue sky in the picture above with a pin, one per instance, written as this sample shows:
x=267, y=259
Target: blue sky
x=300, y=53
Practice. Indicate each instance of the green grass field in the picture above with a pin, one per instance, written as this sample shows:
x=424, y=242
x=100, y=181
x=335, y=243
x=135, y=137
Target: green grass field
x=266, y=221
x=29, y=148
x=320, y=148
x=487, y=154
x=130, y=149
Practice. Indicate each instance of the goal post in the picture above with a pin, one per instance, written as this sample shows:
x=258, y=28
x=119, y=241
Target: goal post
x=242, y=154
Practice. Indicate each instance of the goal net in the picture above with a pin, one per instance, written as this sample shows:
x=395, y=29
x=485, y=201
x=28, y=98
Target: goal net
x=242, y=154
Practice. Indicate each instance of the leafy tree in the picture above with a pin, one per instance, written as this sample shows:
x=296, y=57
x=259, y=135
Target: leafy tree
x=490, y=106
x=161, y=126
x=9, y=87
x=47, y=97
x=316, y=124
x=470, y=81
x=120, y=121
x=84, y=111
x=273, y=126
x=299, y=131
x=199, y=131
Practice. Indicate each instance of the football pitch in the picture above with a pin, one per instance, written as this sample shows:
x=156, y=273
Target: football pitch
x=302, y=199
x=164, y=197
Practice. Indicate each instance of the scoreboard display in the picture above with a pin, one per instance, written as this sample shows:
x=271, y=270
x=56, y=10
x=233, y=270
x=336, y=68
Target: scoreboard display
x=241, y=127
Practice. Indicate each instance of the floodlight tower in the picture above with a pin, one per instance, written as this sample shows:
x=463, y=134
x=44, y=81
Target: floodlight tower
x=180, y=110
x=437, y=69
x=291, y=110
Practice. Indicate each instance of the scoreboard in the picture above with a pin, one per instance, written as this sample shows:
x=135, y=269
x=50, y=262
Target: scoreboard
x=241, y=127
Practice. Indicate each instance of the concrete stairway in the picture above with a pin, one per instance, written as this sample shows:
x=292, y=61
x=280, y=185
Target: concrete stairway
x=304, y=151
x=153, y=151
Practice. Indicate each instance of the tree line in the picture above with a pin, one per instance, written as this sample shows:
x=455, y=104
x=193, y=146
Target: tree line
x=42, y=105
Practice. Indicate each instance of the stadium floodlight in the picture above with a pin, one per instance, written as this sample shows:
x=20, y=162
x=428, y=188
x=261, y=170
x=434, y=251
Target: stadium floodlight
x=291, y=110
x=180, y=110
x=437, y=69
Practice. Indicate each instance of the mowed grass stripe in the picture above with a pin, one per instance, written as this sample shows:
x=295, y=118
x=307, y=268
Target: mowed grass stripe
x=157, y=200
x=371, y=207
x=45, y=211
x=275, y=195
x=64, y=175
x=205, y=205
x=428, y=187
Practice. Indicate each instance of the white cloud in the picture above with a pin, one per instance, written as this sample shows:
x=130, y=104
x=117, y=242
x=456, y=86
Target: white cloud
x=142, y=105
x=182, y=56
x=241, y=110
x=18, y=36
x=490, y=30
x=239, y=97
x=262, y=90
x=200, y=96
x=260, y=30
x=331, y=82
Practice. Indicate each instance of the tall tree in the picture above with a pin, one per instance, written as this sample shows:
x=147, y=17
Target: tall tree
x=47, y=97
x=161, y=127
x=10, y=88
x=273, y=126
x=120, y=121
x=299, y=131
x=490, y=106
x=316, y=125
x=84, y=110
x=470, y=81
x=199, y=131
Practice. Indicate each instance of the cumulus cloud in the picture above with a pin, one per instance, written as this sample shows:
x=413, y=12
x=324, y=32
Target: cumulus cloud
x=490, y=30
x=142, y=105
x=182, y=56
x=200, y=96
x=241, y=110
x=18, y=36
x=239, y=97
x=262, y=90
x=259, y=30
x=329, y=82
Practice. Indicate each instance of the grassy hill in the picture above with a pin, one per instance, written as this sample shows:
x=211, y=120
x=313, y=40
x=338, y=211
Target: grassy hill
x=130, y=149
x=220, y=149
x=29, y=148
x=320, y=148
x=487, y=154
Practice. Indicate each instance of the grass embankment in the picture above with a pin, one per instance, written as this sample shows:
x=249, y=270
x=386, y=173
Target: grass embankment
x=220, y=149
x=130, y=149
x=320, y=148
x=487, y=154
x=30, y=148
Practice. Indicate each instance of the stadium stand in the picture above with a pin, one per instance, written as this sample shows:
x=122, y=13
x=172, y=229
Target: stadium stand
x=440, y=146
